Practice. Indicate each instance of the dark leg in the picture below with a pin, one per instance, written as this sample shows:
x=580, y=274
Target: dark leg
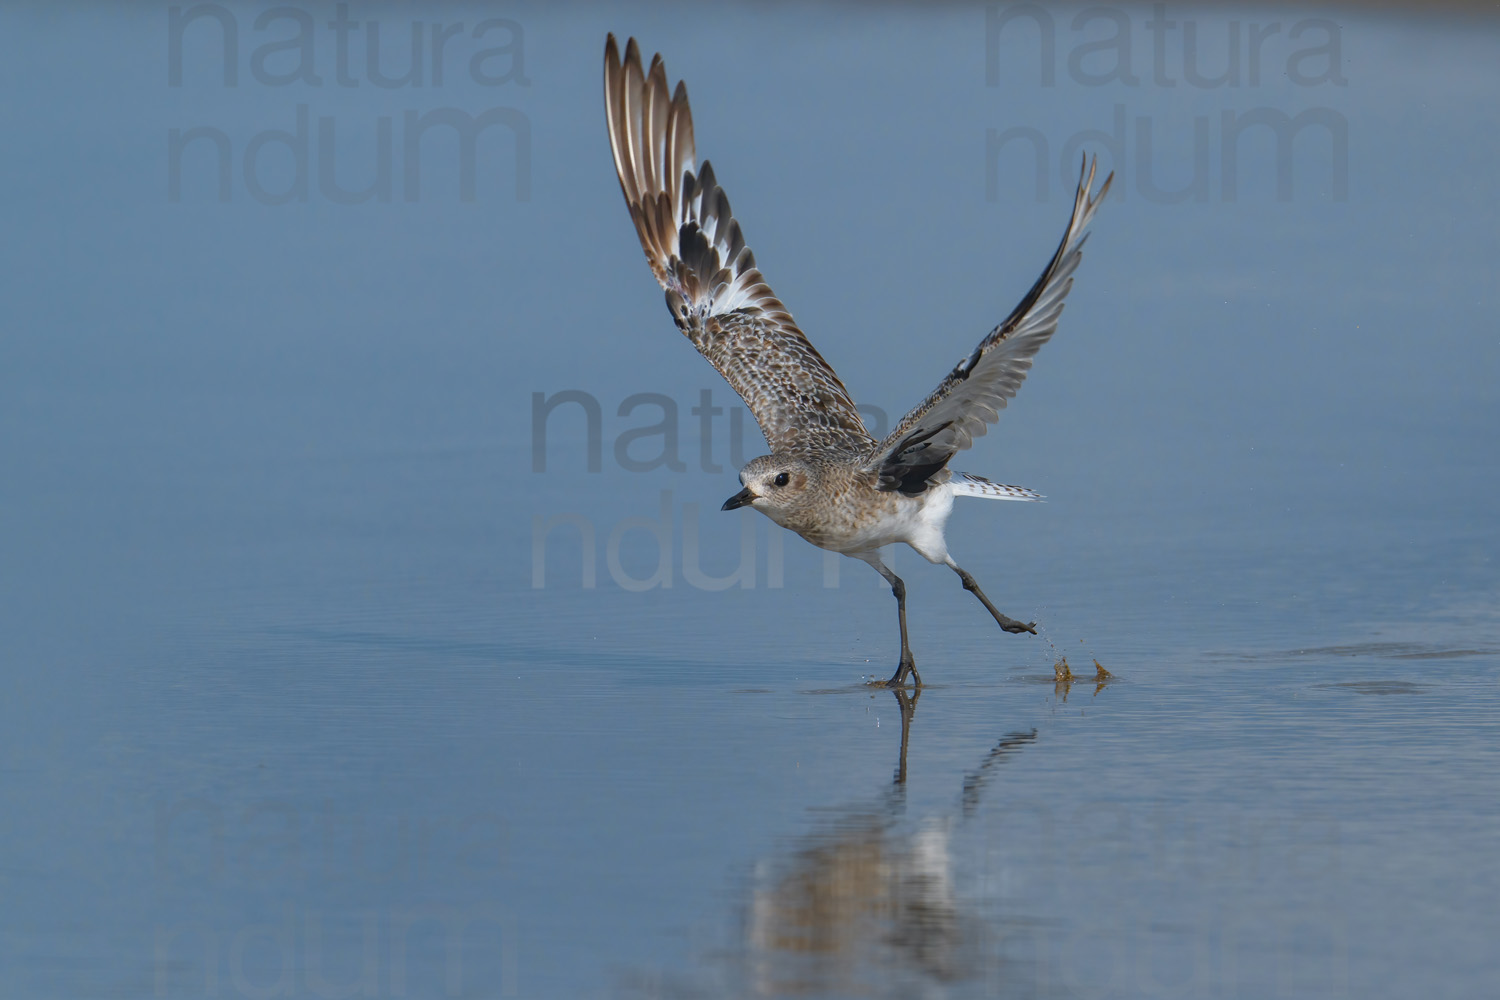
x=908, y=664
x=1007, y=623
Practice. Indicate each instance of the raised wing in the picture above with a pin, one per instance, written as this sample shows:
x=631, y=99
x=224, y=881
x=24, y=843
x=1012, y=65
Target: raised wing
x=975, y=392
x=717, y=296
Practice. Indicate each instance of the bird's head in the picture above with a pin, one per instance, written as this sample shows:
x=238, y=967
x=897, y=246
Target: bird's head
x=776, y=485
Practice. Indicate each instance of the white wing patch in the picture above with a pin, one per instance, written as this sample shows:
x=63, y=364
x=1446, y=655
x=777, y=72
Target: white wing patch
x=965, y=484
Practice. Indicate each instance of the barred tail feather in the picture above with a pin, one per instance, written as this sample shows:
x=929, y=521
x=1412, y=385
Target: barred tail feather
x=967, y=485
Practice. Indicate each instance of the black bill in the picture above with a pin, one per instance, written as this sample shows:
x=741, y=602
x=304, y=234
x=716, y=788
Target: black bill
x=741, y=499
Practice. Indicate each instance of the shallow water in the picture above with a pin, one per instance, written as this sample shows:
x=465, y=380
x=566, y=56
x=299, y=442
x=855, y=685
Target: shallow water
x=302, y=692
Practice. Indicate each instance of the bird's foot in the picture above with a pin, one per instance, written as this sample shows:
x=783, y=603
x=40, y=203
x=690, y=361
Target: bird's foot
x=908, y=665
x=1017, y=628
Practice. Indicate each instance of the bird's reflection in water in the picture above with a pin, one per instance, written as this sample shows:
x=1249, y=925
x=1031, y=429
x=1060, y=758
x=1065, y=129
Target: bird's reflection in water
x=867, y=905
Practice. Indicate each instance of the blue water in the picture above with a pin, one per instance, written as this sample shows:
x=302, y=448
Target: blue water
x=302, y=689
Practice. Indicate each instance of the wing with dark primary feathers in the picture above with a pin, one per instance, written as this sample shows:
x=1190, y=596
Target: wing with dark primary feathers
x=975, y=392
x=717, y=296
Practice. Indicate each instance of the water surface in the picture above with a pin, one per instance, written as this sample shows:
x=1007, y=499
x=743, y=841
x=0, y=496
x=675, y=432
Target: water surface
x=303, y=690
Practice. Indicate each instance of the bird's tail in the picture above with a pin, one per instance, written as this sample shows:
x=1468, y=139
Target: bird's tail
x=967, y=485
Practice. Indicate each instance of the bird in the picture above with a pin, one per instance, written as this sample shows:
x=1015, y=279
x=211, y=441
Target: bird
x=826, y=478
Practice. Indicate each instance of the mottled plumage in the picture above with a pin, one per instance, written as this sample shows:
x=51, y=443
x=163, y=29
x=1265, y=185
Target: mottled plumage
x=826, y=478
x=715, y=293
x=979, y=386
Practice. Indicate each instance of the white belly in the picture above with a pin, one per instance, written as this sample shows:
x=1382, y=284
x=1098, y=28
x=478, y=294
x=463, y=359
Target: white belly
x=918, y=521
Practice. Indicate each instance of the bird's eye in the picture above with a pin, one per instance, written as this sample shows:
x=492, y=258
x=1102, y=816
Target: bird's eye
x=783, y=479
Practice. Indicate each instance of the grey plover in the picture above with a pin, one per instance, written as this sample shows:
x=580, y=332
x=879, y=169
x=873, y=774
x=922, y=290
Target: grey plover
x=827, y=478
